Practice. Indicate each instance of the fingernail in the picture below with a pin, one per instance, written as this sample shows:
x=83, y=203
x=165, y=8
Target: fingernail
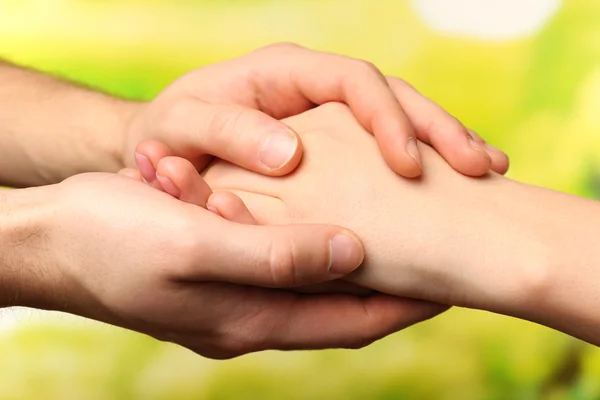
x=477, y=146
x=413, y=150
x=492, y=148
x=279, y=148
x=146, y=168
x=168, y=186
x=213, y=210
x=346, y=254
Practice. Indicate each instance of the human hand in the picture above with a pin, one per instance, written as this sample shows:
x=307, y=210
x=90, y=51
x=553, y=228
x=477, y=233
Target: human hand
x=179, y=178
x=231, y=109
x=118, y=251
x=415, y=232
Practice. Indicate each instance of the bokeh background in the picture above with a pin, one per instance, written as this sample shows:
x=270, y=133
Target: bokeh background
x=525, y=74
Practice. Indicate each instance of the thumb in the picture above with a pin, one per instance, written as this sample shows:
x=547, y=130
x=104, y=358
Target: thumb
x=278, y=256
x=243, y=136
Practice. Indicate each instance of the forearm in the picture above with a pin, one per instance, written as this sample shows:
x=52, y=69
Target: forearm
x=27, y=275
x=51, y=129
x=504, y=247
x=558, y=279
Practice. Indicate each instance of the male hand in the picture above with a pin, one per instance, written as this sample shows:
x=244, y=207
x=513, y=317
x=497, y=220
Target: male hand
x=118, y=251
x=231, y=110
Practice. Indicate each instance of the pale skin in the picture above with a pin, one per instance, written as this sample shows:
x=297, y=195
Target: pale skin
x=87, y=243
x=489, y=243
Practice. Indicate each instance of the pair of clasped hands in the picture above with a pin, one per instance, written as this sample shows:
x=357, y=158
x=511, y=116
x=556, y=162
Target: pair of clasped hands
x=286, y=199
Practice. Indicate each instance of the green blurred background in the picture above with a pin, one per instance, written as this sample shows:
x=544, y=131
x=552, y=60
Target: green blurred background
x=524, y=74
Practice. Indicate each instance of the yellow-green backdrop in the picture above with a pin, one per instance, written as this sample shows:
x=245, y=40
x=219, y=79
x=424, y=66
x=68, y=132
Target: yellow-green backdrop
x=534, y=94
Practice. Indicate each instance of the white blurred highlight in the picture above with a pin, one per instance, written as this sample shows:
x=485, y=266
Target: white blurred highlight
x=489, y=19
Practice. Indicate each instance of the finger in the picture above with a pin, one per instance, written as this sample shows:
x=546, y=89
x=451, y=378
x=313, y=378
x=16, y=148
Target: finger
x=500, y=161
x=131, y=173
x=240, y=135
x=148, y=154
x=285, y=79
x=274, y=256
x=231, y=207
x=324, y=77
x=180, y=179
x=441, y=130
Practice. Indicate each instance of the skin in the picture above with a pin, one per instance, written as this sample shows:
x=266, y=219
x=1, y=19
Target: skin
x=51, y=129
x=85, y=243
x=155, y=266
x=488, y=243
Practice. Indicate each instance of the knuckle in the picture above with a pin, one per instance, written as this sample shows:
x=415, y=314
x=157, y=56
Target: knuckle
x=367, y=68
x=223, y=121
x=280, y=263
x=454, y=123
x=431, y=126
x=441, y=123
x=398, y=85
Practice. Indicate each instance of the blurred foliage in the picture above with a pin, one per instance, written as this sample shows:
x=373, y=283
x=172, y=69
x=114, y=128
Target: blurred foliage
x=536, y=97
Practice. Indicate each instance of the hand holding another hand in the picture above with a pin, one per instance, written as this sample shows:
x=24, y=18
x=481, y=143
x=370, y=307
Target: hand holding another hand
x=232, y=109
x=175, y=271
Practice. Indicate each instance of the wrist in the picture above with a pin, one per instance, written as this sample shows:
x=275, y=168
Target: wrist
x=503, y=262
x=27, y=275
x=562, y=293
x=522, y=247
x=53, y=129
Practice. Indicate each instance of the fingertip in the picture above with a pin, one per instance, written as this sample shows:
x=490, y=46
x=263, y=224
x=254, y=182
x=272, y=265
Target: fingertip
x=407, y=167
x=281, y=152
x=500, y=161
x=148, y=154
x=179, y=177
x=346, y=253
x=147, y=170
x=168, y=186
x=502, y=168
x=406, y=162
x=212, y=209
x=478, y=166
x=470, y=158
